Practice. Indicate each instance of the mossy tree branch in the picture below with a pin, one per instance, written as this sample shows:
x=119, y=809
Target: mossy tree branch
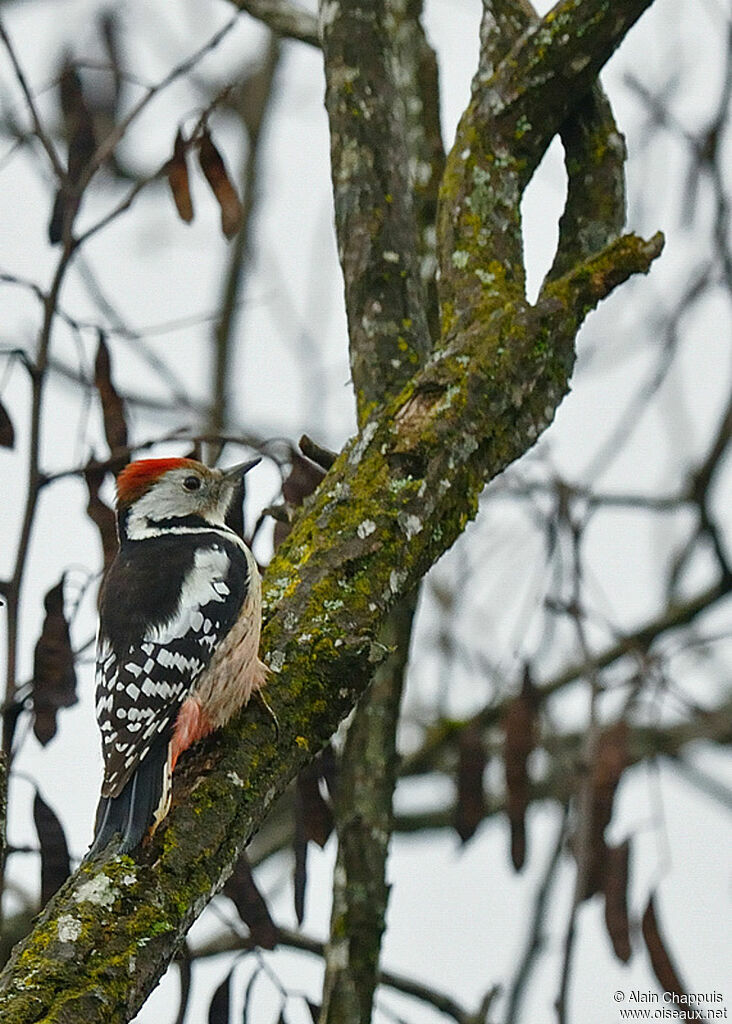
x=364, y=825
x=367, y=766
x=396, y=498
x=374, y=202
x=520, y=101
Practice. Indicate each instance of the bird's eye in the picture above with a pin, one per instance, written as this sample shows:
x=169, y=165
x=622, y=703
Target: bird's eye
x=192, y=483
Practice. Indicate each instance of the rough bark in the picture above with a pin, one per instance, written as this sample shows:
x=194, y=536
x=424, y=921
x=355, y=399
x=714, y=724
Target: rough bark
x=364, y=825
x=396, y=498
x=374, y=203
x=367, y=766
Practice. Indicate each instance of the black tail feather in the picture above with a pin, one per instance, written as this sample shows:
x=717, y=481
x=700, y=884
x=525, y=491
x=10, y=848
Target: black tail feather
x=130, y=814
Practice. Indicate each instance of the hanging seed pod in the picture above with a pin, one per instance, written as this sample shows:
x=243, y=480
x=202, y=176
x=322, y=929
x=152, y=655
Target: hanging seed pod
x=472, y=759
x=54, y=674
x=243, y=892
x=520, y=731
x=113, y=407
x=616, y=899
x=660, y=957
x=177, y=172
x=216, y=175
x=7, y=431
x=101, y=515
x=55, y=861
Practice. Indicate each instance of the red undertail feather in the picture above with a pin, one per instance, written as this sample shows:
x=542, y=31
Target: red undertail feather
x=191, y=725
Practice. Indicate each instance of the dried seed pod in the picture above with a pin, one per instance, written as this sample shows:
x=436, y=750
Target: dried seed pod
x=55, y=861
x=611, y=760
x=54, y=675
x=302, y=481
x=7, y=431
x=82, y=143
x=101, y=515
x=243, y=892
x=219, y=1010
x=113, y=408
x=78, y=122
x=313, y=818
x=472, y=759
x=177, y=172
x=661, y=962
x=617, y=860
x=519, y=726
x=216, y=175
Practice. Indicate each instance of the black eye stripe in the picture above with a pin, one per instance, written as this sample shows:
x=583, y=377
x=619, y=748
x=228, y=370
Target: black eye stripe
x=192, y=483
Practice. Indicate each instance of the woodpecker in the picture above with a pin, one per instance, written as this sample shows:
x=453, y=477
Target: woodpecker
x=181, y=594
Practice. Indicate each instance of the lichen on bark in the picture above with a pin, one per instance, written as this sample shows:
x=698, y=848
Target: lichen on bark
x=396, y=498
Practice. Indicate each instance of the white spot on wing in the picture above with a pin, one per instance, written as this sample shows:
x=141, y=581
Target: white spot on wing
x=204, y=583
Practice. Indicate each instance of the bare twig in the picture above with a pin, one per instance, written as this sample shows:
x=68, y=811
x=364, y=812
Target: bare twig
x=38, y=129
x=535, y=940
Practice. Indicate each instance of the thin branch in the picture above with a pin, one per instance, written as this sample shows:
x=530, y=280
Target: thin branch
x=296, y=940
x=535, y=940
x=107, y=145
x=704, y=782
x=363, y=809
x=252, y=107
x=38, y=129
x=632, y=644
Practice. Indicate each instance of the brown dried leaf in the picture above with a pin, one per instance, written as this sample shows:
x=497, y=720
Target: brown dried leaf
x=113, y=408
x=243, y=892
x=313, y=818
x=101, y=514
x=317, y=815
x=54, y=675
x=617, y=860
x=300, y=871
x=470, y=807
x=303, y=479
x=7, y=431
x=220, y=1007
x=611, y=760
x=215, y=173
x=519, y=727
x=321, y=456
x=55, y=861
x=177, y=171
x=78, y=122
x=663, y=966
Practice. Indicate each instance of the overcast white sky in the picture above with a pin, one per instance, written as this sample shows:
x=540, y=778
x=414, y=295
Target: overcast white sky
x=457, y=916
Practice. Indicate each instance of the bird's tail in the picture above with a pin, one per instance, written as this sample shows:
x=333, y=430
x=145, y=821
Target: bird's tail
x=142, y=803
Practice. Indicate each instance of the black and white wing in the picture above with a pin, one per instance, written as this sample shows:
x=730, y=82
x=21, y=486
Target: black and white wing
x=158, y=631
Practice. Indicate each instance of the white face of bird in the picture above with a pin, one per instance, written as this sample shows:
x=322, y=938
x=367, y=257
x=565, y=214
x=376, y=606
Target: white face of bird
x=190, y=489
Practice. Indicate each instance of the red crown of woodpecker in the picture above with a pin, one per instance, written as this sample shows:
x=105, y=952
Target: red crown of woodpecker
x=138, y=477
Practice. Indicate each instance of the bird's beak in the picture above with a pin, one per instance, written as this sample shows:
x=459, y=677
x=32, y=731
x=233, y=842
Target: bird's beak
x=236, y=472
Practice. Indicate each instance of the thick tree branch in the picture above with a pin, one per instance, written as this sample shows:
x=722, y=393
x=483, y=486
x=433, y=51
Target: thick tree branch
x=395, y=499
x=364, y=824
x=367, y=768
x=375, y=215
x=594, y=157
x=519, y=103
